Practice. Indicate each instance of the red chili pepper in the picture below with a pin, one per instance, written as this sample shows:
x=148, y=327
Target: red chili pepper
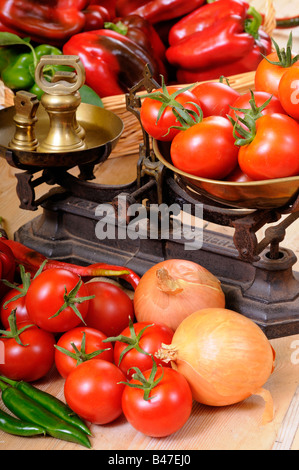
x=32, y=261
x=115, y=58
x=206, y=16
x=248, y=63
x=51, y=21
x=156, y=11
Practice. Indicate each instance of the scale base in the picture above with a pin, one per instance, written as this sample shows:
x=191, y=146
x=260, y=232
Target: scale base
x=266, y=291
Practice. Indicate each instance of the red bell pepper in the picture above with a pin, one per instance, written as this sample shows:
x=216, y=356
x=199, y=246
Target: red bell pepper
x=248, y=63
x=206, y=16
x=110, y=6
x=228, y=40
x=144, y=34
x=156, y=11
x=113, y=62
x=51, y=21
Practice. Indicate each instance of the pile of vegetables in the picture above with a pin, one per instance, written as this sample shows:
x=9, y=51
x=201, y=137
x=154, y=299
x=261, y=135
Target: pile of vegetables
x=183, y=41
x=146, y=356
x=222, y=134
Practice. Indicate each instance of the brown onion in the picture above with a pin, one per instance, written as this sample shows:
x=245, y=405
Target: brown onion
x=224, y=356
x=173, y=289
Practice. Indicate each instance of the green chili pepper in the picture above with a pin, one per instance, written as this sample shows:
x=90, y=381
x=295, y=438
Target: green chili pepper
x=27, y=409
x=16, y=427
x=50, y=403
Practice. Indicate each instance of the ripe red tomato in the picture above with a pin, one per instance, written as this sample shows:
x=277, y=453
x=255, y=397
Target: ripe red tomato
x=268, y=76
x=150, y=110
x=149, y=341
x=238, y=176
x=93, y=342
x=19, y=305
x=47, y=294
x=94, y=390
x=260, y=97
x=273, y=153
x=215, y=98
x=30, y=361
x=168, y=408
x=206, y=149
x=288, y=91
x=110, y=310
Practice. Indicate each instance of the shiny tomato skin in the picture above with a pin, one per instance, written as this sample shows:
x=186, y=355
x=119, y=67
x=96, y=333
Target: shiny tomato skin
x=273, y=153
x=93, y=342
x=168, y=409
x=110, y=310
x=150, y=109
x=45, y=297
x=268, y=76
x=151, y=341
x=206, y=149
x=215, y=98
x=94, y=391
x=19, y=305
x=32, y=361
x=288, y=91
x=260, y=98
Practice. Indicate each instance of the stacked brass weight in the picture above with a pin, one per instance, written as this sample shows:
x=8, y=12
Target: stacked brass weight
x=60, y=100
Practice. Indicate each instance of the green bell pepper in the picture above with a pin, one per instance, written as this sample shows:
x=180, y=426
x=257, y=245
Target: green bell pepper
x=17, y=66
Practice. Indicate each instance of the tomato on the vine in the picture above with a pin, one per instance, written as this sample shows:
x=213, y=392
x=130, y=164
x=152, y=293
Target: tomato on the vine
x=271, y=69
x=28, y=353
x=110, y=309
x=162, y=407
x=57, y=300
x=206, y=149
x=215, y=98
x=260, y=98
x=273, y=150
x=94, y=391
x=136, y=345
x=157, y=116
x=79, y=345
x=288, y=91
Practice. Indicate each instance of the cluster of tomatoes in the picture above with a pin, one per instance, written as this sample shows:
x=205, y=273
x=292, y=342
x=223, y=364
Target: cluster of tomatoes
x=232, y=136
x=86, y=331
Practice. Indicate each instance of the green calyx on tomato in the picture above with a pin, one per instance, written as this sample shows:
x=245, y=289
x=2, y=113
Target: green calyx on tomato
x=169, y=100
x=241, y=134
x=80, y=355
x=285, y=56
x=14, y=332
x=132, y=342
x=70, y=300
x=147, y=385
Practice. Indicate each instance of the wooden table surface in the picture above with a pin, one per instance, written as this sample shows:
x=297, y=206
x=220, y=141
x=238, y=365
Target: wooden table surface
x=237, y=427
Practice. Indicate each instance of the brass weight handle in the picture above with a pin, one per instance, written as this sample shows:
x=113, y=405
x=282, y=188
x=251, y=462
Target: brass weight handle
x=60, y=87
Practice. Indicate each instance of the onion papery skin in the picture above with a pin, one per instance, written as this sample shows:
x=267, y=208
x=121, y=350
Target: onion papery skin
x=173, y=289
x=224, y=356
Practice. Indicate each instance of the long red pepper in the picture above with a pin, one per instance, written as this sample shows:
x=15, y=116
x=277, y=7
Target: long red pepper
x=32, y=260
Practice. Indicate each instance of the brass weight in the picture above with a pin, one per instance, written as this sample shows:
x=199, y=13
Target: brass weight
x=61, y=100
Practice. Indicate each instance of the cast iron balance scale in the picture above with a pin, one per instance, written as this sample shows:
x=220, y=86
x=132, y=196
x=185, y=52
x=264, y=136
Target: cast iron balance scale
x=50, y=138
